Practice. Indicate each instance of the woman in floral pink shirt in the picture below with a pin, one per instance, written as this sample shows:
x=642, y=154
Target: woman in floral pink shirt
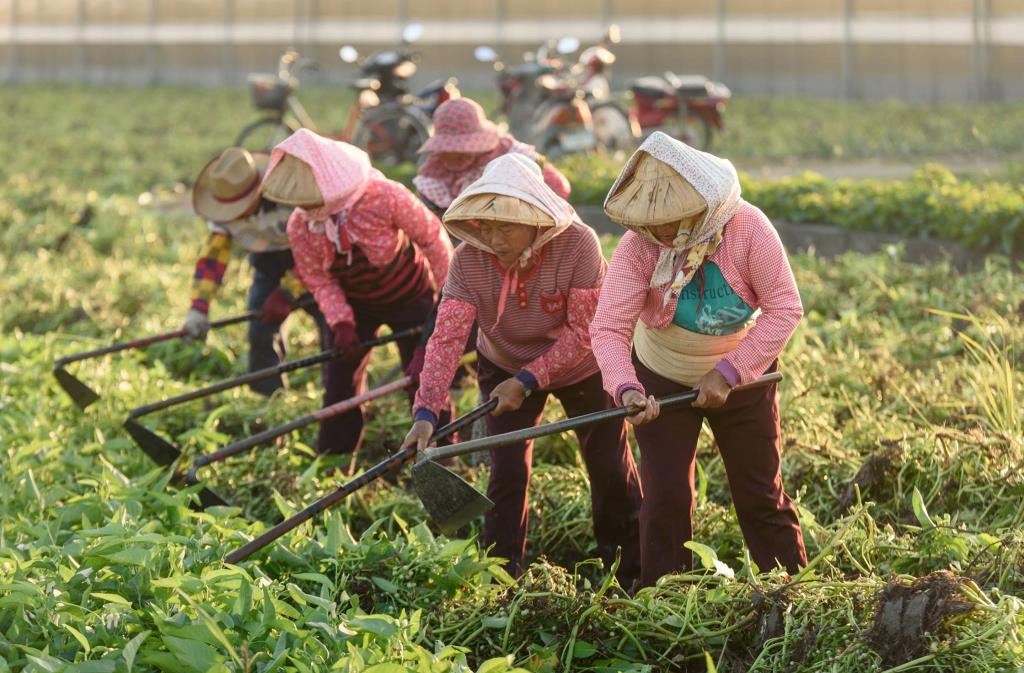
x=529, y=273
x=699, y=294
x=369, y=251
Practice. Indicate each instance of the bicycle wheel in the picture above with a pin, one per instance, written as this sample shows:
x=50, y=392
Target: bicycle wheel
x=264, y=134
x=613, y=128
x=391, y=135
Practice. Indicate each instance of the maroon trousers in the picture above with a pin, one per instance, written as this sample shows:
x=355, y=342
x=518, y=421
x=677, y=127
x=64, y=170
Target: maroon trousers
x=614, y=482
x=746, y=429
x=345, y=379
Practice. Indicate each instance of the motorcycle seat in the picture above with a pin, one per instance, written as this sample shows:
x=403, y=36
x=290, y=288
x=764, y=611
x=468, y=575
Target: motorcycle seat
x=689, y=85
x=433, y=88
x=652, y=86
x=364, y=83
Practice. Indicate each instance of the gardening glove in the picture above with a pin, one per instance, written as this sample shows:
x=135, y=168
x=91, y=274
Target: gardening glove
x=196, y=325
x=415, y=366
x=276, y=307
x=347, y=341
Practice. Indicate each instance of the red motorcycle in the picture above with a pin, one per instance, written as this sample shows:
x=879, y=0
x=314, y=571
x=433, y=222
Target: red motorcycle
x=687, y=107
x=542, y=105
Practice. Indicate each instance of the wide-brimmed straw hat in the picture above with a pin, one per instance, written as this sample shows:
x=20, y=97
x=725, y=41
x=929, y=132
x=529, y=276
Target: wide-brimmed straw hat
x=461, y=126
x=228, y=186
x=292, y=183
x=654, y=194
x=498, y=207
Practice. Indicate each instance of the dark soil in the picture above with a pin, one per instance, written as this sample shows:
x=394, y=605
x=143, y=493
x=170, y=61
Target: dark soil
x=908, y=615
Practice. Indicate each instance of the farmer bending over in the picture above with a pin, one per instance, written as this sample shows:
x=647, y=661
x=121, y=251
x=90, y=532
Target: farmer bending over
x=370, y=252
x=529, y=273
x=227, y=195
x=699, y=294
x=463, y=143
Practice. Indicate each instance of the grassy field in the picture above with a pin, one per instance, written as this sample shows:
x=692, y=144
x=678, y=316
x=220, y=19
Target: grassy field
x=901, y=413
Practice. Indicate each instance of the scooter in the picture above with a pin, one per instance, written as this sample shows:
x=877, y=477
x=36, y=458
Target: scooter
x=615, y=129
x=542, y=107
x=388, y=121
x=687, y=107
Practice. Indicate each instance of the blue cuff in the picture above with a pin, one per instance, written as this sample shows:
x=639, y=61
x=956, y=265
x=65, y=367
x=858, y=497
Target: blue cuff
x=528, y=380
x=425, y=415
x=726, y=369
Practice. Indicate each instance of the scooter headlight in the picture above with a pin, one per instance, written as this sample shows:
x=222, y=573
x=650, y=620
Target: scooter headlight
x=368, y=98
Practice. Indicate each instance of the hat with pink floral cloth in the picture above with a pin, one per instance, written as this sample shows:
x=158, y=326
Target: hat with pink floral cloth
x=461, y=126
x=341, y=172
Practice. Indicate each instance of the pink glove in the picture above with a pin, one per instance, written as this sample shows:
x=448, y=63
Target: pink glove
x=276, y=307
x=347, y=341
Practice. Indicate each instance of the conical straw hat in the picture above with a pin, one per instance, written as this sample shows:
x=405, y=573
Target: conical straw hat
x=226, y=188
x=655, y=194
x=498, y=207
x=292, y=183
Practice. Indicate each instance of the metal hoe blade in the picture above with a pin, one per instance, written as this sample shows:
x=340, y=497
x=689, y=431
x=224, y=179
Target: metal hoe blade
x=81, y=394
x=159, y=449
x=449, y=500
x=163, y=453
x=208, y=498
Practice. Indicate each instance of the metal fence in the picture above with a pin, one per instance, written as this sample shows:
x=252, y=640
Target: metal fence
x=925, y=50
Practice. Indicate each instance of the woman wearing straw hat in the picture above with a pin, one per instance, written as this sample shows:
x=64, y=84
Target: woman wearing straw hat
x=699, y=294
x=370, y=252
x=463, y=143
x=227, y=195
x=529, y=273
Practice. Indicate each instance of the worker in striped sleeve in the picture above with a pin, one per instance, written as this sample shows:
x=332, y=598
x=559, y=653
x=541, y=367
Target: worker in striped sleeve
x=370, y=252
x=226, y=194
x=529, y=272
x=464, y=141
x=699, y=294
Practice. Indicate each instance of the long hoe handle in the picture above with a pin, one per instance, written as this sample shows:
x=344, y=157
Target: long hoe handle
x=330, y=411
x=380, y=469
x=443, y=452
x=150, y=340
x=266, y=373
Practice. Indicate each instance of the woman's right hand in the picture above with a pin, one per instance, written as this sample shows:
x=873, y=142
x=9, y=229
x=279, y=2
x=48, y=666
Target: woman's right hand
x=419, y=434
x=647, y=408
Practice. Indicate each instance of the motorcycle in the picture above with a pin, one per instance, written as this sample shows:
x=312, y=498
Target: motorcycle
x=614, y=128
x=388, y=121
x=687, y=107
x=543, y=106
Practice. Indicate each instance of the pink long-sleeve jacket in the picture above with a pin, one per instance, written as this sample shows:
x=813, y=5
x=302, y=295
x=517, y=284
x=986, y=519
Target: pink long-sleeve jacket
x=753, y=262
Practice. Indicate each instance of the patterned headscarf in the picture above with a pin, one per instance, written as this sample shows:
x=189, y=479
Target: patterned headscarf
x=714, y=179
x=342, y=171
x=460, y=126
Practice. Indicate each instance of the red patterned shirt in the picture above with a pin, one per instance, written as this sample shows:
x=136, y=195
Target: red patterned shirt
x=753, y=262
x=543, y=332
x=374, y=223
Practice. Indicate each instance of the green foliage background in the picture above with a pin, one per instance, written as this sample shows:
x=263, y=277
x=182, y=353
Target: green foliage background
x=901, y=414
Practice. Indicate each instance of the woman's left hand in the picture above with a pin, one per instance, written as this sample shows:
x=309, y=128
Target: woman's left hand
x=714, y=390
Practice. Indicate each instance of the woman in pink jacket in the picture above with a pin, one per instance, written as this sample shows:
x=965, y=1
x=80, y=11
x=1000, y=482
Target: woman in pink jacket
x=370, y=252
x=529, y=272
x=699, y=294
